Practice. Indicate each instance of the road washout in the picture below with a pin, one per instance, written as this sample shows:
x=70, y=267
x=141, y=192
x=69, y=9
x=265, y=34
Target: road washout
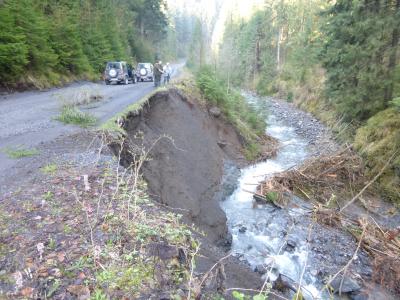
x=190, y=150
x=194, y=168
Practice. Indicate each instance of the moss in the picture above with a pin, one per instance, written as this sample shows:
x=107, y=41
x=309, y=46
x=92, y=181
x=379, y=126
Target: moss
x=377, y=141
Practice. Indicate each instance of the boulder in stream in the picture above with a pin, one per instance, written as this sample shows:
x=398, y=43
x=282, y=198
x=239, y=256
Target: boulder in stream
x=290, y=245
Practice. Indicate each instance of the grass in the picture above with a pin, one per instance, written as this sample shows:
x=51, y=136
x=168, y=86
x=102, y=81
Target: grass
x=49, y=169
x=72, y=115
x=377, y=141
x=249, y=123
x=120, y=263
x=20, y=152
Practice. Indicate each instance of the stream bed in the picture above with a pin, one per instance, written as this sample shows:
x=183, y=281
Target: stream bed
x=286, y=243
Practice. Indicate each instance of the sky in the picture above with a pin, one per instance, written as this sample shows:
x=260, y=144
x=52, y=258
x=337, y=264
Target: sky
x=242, y=9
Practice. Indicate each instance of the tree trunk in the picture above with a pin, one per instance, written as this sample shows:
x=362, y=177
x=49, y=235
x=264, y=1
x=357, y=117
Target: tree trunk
x=278, y=51
x=258, y=55
x=141, y=27
x=392, y=58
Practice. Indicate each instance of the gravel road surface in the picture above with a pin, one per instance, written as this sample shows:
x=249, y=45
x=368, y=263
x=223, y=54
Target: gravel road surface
x=27, y=119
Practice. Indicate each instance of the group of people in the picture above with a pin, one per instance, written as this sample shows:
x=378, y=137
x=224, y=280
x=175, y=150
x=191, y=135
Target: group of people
x=161, y=71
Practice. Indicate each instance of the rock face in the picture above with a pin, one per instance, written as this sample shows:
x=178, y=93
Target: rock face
x=187, y=163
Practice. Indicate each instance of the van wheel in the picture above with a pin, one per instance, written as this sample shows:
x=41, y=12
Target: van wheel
x=107, y=82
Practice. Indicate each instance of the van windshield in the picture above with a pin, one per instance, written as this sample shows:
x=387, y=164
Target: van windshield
x=145, y=66
x=113, y=65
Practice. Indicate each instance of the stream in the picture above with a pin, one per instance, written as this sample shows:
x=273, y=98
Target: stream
x=286, y=243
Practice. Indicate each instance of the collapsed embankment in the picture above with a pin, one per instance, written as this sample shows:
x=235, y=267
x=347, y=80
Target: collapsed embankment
x=187, y=150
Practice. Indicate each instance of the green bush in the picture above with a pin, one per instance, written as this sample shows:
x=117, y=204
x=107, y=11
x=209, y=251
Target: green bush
x=250, y=124
x=396, y=103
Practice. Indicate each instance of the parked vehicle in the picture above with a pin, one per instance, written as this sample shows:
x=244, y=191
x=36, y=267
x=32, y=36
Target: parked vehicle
x=119, y=72
x=144, y=72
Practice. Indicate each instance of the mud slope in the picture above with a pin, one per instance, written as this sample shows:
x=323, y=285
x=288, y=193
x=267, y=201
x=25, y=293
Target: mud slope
x=186, y=165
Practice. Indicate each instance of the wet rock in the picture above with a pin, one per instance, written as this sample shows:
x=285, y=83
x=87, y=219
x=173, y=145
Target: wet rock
x=261, y=269
x=363, y=296
x=215, y=112
x=226, y=242
x=283, y=283
x=291, y=243
x=222, y=144
x=290, y=246
x=242, y=229
x=349, y=285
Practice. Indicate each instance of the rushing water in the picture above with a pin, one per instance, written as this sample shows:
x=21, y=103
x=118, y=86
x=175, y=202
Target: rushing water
x=267, y=237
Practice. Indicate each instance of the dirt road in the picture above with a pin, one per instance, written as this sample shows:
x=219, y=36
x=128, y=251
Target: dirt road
x=27, y=119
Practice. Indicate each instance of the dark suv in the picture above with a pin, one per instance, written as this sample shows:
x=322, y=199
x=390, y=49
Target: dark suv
x=119, y=72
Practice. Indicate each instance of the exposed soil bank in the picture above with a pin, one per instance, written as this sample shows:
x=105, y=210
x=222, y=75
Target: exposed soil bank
x=188, y=150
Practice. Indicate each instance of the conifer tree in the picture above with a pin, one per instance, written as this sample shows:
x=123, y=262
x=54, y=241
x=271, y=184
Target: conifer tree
x=13, y=47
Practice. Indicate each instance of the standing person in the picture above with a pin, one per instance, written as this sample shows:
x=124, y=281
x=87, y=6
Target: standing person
x=158, y=71
x=167, y=73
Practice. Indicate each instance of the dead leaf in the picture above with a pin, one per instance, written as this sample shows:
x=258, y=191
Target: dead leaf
x=56, y=272
x=51, y=262
x=42, y=272
x=29, y=262
x=40, y=248
x=81, y=291
x=104, y=227
x=61, y=256
x=27, y=292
